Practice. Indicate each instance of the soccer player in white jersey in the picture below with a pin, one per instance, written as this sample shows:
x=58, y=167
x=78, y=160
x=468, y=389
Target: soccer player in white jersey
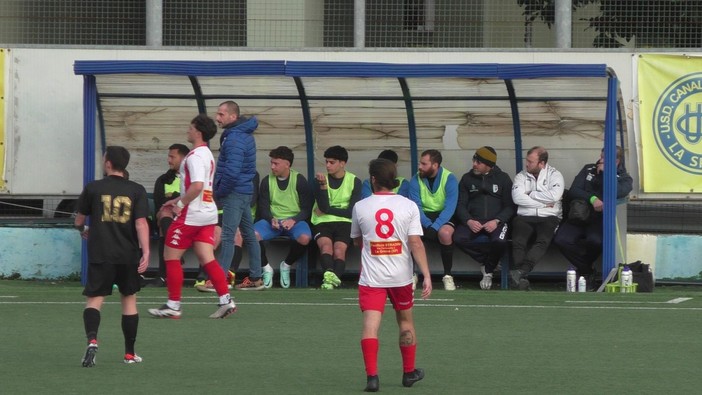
x=387, y=228
x=195, y=223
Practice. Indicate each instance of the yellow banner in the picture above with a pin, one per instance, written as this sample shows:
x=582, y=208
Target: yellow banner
x=3, y=95
x=670, y=94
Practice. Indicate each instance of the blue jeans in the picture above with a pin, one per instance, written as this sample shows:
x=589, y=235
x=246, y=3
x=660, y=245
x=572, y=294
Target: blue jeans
x=236, y=213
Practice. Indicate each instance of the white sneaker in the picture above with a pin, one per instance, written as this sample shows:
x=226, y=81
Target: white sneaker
x=486, y=282
x=415, y=280
x=448, y=283
x=224, y=310
x=267, y=276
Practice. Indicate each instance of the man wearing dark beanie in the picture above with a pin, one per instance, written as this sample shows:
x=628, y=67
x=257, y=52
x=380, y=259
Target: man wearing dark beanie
x=483, y=211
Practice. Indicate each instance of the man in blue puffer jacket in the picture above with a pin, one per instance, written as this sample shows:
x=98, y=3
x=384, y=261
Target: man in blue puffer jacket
x=233, y=187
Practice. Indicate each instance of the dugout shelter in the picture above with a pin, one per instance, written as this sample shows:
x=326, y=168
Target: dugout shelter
x=366, y=107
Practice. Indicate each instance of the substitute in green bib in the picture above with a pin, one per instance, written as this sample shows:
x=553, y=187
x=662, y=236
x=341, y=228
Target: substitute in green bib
x=335, y=194
x=284, y=203
x=435, y=191
x=402, y=188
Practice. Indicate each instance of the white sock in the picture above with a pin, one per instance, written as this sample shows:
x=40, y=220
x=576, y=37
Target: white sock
x=284, y=265
x=173, y=304
x=267, y=268
x=224, y=299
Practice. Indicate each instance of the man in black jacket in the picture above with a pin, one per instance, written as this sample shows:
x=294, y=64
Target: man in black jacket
x=484, y=208
x=581, y=241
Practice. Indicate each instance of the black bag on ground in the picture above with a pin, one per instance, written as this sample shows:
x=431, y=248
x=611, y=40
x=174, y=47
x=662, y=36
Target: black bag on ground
x=579, y=212
x=641, y=273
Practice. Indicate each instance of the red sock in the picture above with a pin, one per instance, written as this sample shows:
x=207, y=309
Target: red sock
x=408, y=356
x=216, y=275
x=174, y=279
x=370, y=346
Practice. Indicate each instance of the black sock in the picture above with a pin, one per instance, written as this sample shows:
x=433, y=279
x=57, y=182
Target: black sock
x=326, y=261
x=447, y=258
x=297, y=250
x=130, y=323
x=339, y=267
x=264, y=258
x=91, y=321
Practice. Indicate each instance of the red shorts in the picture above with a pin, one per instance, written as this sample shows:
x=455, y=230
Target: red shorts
x=181, y=236
x=370, y=298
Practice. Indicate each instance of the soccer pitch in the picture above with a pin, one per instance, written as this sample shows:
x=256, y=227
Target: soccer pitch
x=307, y=341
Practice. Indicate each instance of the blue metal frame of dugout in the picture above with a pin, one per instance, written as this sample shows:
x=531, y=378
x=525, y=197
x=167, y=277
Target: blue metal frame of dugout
x=298, y=69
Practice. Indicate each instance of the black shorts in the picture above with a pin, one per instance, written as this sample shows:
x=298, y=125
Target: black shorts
x=336, y=231
x=101, y=277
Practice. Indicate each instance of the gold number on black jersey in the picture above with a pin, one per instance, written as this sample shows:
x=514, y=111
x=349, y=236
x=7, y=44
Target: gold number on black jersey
x=118, y=209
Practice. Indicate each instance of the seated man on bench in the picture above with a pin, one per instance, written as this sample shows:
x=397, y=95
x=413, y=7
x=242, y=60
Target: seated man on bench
x=484, y=209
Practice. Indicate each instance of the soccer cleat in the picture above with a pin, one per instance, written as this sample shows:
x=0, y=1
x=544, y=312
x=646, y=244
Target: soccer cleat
x=326, y=286
x=267, y=277
x=415, y=280
x=332, y=279
x=448, y=283
x=224, y=310
x=486, y=282
x=165, y=312
x=90, y=353
x=231, y=278
x=284, y=275
x=132, y=358
x=372, y=384
x=248, y=285
x=199, y=283
x=408, y=379
x=209, y=287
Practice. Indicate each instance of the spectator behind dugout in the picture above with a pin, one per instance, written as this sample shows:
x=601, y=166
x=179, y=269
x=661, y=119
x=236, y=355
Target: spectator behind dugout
x=581, y=243
x=537, y=192
x=483, y=212
x=402, y=189
x=435, y=191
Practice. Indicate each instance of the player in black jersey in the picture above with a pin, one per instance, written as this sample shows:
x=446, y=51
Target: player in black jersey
x=118, y=248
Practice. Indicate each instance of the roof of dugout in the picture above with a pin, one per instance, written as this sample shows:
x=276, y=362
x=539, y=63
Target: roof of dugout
x=310, y=106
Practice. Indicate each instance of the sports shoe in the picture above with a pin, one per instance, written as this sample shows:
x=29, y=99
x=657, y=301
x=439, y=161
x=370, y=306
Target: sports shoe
x=372, y=384
x=408, y=379
x=448, y=283
x=231, y=278
x=248, y=285
x=90, y=352
x=224, y=310
x=132, y=358
x=209, y=287
x=486, y=282
x=326, y=286
x=415, y=280
x=165, y=312
x=514, y=277
x=332, y=279
x=199, y=283
x=267, y=277
x=284, y=276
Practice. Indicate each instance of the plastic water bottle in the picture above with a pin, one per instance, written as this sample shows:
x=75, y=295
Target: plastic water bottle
x=582, y=284
x=571, y=280
x=627, y=279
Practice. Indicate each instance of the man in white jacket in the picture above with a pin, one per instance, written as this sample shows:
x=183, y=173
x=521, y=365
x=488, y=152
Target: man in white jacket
x=537, y=192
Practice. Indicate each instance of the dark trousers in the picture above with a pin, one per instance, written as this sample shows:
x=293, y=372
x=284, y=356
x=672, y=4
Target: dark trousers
x=525, y=229
x=486, y=248
x=580, y=244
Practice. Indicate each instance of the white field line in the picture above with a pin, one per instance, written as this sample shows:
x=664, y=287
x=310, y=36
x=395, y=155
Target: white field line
x=418, y=303
x=672, y=301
